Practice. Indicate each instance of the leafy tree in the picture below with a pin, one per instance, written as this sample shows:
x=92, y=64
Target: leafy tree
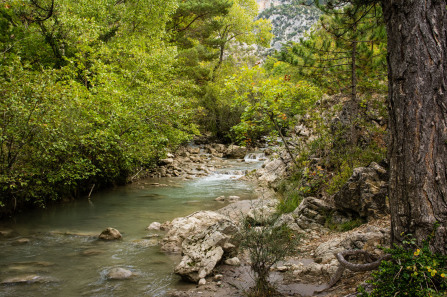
x=269, y=103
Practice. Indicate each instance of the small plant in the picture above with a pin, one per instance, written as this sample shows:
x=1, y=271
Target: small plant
x=343, y=227
x=413, y=271
x=267, y=244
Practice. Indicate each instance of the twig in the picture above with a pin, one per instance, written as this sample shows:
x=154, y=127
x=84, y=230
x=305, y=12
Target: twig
x=91, y=190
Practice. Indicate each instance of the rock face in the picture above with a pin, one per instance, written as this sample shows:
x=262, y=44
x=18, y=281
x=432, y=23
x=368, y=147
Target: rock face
x=182, y=228
x=201, y=252
x=110, y=234
x=365, y=192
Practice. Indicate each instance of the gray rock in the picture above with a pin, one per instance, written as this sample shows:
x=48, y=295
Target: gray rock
x=233, y=261
x=365, y=192
x=110, y=234
x=201, y=252
x=220, y=198
x=182, y=228
x=21, y=241
x=236, y=152
x=119, y=273
x=30, y=279
x=166, y=161
x=154, y=226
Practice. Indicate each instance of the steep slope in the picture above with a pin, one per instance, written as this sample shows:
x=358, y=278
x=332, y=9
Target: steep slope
x=290, y=19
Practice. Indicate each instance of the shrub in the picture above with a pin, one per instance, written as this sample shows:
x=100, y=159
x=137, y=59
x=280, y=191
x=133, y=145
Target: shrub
x=267, y=244
x=413, y=271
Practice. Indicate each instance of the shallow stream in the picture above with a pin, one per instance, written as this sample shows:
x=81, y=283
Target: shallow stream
x=64, y=258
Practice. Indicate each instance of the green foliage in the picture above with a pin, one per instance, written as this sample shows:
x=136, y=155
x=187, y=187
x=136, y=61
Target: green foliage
x=89, y=94
x=304, y=182
x=345, y=226
x=345, y=51
x=269, y=103
x=413, y=271
x=267, y=244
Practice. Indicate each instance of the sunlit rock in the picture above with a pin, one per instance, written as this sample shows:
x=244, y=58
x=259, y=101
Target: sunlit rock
x=110, y=234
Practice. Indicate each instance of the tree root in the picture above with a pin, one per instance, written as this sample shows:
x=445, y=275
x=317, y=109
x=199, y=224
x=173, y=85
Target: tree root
x=374, y=263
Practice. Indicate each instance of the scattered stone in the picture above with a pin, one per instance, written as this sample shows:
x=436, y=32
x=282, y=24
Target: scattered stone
x=110, y=234
x=154, y=226
x=92, y=252
x=30, y=279
x=119, y=273
x=7, y=233
x=220, y=198
x=166, y=161
x=233, y=198
x=202, y=282
x=282, y=268
x=233, y=261
x=21, y=241
x=218, y=277
x=146, y=242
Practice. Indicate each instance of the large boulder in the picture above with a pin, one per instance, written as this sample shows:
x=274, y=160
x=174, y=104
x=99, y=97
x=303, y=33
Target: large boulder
x=235, y=151
x=182, y=228
x=110, y=234
x=365, y=192
x=202, y=251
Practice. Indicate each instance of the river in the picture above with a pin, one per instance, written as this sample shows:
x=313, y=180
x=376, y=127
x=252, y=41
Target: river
x=57, y=249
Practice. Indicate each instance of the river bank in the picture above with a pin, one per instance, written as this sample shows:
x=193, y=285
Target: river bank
x=309, y=272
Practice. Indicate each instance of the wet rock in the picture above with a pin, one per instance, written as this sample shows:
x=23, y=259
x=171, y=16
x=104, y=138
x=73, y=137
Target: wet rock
x=92, y=252
x=154, y=226
x=204, y=250
x=220, y=198
x=119, y=273
x=365, y=192
x=21, y=241
x=233, y=261
x=110, y=234
x=146, y=242
x=181, y=228
x=30, y=279
x=7, y=233
x=233, y=198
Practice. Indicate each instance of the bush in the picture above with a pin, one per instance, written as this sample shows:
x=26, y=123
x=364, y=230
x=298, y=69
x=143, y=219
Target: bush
x=413, y=271
x=267, y=244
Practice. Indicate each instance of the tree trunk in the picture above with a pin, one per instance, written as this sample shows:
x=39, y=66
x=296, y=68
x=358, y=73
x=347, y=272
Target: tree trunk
x=417, y=105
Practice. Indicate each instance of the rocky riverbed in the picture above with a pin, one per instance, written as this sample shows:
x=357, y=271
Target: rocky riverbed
x=210, y=255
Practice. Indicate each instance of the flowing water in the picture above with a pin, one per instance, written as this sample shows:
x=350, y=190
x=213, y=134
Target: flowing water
x=64, y=258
